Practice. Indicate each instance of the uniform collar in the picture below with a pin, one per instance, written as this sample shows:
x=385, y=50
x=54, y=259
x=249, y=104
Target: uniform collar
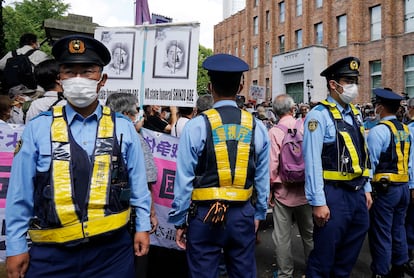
x=72, y=114
x=221, y=103
x=343, y=110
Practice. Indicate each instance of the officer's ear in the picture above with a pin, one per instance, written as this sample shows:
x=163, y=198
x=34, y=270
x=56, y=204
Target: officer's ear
x=210, y=87
x=103, y=80
x=332, y=84
x=240, y=88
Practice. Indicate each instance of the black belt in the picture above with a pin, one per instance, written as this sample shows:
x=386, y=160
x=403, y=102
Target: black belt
x=348, y=187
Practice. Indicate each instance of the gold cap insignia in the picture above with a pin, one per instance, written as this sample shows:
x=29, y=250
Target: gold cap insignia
x=76, y=46
x=353, y=65
x=312, y=125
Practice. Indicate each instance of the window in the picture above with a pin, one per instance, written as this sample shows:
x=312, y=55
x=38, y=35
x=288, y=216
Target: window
x=318, y=3
x=409, y=16
x=298, y=34
x=318, y=33
x=281, y=43
x=256, y=3
x=282, y=12
x=409, y=75
x=255, y=25
x=375, y=23
x=236, y=49
x=298, y=7
x=267, y=20
x=243, y=49
x=255, y=57
x=255, y=82
x=342, y=30
x=375, y=72
x=229, y=49
x=268, y=95
x=267, y=52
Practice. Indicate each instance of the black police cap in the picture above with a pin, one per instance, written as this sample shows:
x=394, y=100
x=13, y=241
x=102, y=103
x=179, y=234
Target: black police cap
x=346, y=67
x=225, y=63
x=384, y=95
x=81, y=49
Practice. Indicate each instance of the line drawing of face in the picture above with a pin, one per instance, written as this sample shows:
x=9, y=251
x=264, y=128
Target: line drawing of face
x=119, y=58
x=175, y=56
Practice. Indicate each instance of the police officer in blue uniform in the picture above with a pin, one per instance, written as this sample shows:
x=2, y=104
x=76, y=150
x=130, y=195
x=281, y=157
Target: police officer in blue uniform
x=74, y=178
x=222, y=180
x=337, y=172
x=389, y=144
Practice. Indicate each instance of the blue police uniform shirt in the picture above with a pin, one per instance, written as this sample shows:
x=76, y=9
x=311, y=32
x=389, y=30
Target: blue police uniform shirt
x=35, y=155
x=192, y=142
x=312, y=148
x=379, y=140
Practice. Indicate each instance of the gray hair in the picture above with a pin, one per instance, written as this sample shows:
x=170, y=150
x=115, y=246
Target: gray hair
x=204, y=103
x=410, y=102
x=283, y=104
x=122, y=102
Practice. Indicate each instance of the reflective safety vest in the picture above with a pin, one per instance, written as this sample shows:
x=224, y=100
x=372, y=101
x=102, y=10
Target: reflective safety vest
x=63, y=221
x=347, y=158
x=393, y=163
x=226, y=168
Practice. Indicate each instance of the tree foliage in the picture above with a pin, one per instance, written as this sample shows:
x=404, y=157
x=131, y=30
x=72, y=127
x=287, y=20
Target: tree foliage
x=202, y=77
x=27, y=16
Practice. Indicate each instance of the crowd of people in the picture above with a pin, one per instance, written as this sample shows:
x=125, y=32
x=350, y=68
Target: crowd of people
x=82, y=171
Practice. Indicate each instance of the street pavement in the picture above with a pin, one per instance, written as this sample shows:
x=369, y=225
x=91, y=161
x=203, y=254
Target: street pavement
x=266, y=260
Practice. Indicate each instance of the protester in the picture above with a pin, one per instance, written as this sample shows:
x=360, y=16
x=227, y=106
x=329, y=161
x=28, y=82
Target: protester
x=5, y=108
x=287, y=199
x=75, y=175
x=185, y=114
x=156, y=119
x=47, y=76
x=204, y=102
x=222, y=215
x=337, y=172
x=391, y=155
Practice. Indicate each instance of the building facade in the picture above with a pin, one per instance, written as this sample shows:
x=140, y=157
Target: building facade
x=287, y=43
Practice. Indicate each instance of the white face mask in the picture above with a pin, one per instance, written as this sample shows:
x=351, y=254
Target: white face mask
x=80, y=91
x=350, y=92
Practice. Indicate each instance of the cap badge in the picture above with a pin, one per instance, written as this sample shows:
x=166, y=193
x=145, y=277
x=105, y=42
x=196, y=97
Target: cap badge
x=76, y=46
x=353, y=65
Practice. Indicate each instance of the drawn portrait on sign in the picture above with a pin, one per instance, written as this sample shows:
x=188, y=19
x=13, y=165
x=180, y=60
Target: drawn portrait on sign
x=121, y=46
x=171, y=54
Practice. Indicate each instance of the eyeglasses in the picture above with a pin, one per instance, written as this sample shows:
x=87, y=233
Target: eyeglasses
x=88, y=73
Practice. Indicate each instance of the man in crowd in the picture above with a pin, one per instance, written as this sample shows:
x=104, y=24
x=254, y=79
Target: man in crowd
x=337, y=172
x=76, y=174
x=223, y=214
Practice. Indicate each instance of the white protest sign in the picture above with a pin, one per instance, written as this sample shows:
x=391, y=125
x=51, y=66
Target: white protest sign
x=257, y=92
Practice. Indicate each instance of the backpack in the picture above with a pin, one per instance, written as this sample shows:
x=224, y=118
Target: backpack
x=291, y=162
x=19, y=70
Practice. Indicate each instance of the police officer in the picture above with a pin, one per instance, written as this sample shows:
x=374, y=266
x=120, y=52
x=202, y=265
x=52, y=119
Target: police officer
x=391, y=158
x=78, y=170
x=223, y=157
x=337, y=172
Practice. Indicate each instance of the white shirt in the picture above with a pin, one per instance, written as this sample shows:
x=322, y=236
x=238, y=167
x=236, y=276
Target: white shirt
x=36, y=57
x=177, y=128
x=43, y=104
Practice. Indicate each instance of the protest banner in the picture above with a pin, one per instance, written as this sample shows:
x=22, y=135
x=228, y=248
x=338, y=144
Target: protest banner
x=157, y=63
x=164, y=150
x=9, y=136
x=257, y=92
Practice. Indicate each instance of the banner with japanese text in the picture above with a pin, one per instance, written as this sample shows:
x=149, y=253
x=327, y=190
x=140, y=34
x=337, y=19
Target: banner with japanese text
x=164, y=150
x=9, y=136
x=156, y=62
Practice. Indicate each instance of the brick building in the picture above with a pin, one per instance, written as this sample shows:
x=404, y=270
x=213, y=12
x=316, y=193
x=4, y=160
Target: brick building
x=287, y=43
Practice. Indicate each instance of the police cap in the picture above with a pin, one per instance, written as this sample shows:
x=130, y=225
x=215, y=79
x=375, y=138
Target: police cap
x=81, y=49
x=225, y=63
x=346, y=67
x=386, y=96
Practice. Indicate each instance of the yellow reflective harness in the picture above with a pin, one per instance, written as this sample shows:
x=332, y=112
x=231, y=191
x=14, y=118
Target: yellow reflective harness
x=97, y=222
x=402, y=155
x=230, y=189
x=349, y=145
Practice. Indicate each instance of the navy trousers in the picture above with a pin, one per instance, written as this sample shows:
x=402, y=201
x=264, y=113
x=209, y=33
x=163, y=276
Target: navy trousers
x=338, y=243
x=237, y=238
x=103, y=257
x=387, y=238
